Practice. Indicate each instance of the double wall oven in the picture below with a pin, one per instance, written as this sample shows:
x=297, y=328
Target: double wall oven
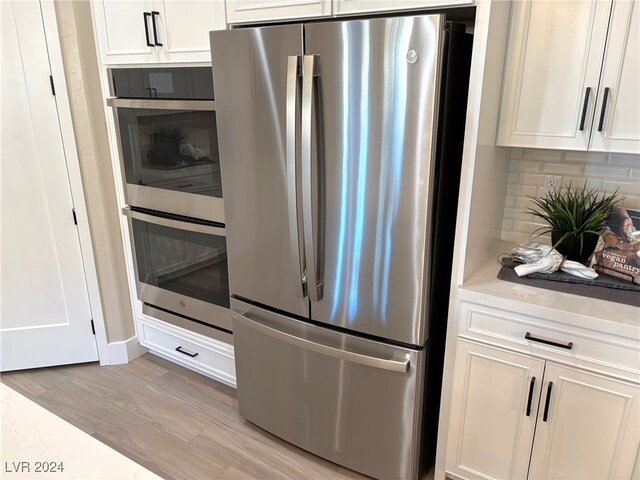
x=166, y=130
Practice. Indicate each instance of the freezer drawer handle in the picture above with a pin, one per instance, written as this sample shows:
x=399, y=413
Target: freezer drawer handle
x=546, y=341
x=392, y=364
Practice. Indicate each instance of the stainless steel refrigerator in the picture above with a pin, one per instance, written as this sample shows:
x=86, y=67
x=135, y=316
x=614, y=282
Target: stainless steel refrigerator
x=340, y=147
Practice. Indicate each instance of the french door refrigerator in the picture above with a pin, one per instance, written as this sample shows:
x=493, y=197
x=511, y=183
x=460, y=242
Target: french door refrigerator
x=340, y=147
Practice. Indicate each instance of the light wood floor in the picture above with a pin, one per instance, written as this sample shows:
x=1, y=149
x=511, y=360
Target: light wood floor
x=174, y=422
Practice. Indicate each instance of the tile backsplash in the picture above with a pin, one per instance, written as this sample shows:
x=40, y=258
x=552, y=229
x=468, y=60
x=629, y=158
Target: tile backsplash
x=527, y=170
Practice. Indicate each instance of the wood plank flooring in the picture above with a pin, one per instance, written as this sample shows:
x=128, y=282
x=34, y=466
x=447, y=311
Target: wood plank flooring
x=174, y=422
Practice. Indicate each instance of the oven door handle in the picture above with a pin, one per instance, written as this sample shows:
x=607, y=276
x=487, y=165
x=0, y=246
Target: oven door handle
x=174, y=223
x=209, y=105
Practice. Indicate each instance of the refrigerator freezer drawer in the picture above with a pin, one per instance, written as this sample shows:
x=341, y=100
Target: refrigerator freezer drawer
x=353, y=401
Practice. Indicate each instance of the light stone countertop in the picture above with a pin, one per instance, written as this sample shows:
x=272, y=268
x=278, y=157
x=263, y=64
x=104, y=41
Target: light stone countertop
x=32, y=434
x=615, y=318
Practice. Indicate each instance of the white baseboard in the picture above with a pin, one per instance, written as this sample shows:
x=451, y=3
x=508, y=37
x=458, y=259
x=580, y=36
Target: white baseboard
x=125, y=351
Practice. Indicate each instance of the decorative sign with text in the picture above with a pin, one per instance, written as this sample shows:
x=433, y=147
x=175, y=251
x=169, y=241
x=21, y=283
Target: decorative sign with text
x=618, y=249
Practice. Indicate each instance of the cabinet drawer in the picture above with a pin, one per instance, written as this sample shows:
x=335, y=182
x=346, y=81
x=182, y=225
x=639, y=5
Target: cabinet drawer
x=209, y=356
x=564, y=343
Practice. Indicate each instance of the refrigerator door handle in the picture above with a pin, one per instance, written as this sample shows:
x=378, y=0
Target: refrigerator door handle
x=400, y=365
x=297, y=257
x=309, y=71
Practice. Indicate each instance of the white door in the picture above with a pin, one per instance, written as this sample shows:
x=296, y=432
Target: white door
x=125, y=31
x=185, y=27
x=591, y=429
x=493, y=409
x=617, y=124
x=552, y=73
x=45, y=318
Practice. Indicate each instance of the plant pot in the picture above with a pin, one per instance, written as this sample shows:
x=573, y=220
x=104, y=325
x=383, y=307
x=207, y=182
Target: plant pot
x=573, y=248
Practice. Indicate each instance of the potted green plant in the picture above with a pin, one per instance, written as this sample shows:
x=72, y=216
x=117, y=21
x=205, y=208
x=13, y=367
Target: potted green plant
x=575, y=217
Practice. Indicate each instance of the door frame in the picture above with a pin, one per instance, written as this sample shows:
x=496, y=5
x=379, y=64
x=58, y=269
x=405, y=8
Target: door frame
x=75, y=177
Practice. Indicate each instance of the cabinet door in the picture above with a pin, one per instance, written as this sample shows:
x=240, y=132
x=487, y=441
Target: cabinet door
x=242, y=11
x=617, y=124
x=493, y=409
x=552, y=72
x=591, y=427
x=343, y=7
x=184, y=28
x=120, y=27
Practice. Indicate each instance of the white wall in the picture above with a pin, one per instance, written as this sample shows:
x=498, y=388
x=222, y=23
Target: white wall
x=83, y=82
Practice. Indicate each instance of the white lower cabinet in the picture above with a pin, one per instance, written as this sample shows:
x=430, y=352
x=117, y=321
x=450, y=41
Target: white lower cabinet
x=591, y=427
x=492, y=434
x=202, y=353
x=586, y=425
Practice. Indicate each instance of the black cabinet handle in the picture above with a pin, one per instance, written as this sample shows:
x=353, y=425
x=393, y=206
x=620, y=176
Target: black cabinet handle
x=186, y=185
x=531, y=387
x=546, y=405
x=587, y=94
x=154, y=14
x=604, y=108
x=146, y=15
x=547, y=341
x=184, y=352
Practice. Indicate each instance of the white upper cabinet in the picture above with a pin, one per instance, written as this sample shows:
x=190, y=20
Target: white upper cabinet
x=186, y=26
x=562, y=88
x=617, y=121
x=120, y=27
x=552, y=72
x=343, y=7
x=151, y=31
x=243, y=11
x=588, y=426
x=255, y=11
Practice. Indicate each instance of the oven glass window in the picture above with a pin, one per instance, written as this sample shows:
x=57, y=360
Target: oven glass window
x=171, y=149
x=188, y=263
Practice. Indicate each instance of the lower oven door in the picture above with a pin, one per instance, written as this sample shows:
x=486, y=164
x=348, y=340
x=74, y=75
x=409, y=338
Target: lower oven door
x=181, y=266
x=353, y=401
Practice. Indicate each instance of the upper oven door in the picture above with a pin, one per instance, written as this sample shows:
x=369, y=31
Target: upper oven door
x=169, y=156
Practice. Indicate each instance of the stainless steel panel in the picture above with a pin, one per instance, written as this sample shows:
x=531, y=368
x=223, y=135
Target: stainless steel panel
x=187, y=324
x=184, y=305
x=162, y=104
x=378, y=83
x=364, y=417
x=178, y=203
x=250, y=78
